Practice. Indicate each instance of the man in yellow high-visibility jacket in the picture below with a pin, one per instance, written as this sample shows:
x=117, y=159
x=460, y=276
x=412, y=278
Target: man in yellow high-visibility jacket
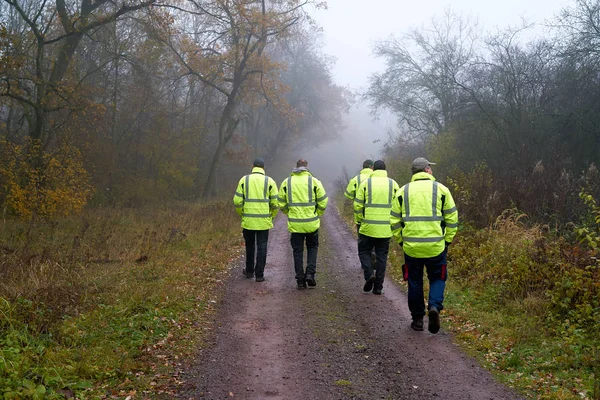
x=303, y=199
x=350, y=193
x=424, y=222
x=372, y=207
x=355, y=182
x=255, y=201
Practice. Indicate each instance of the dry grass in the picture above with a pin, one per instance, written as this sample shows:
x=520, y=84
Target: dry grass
x=111, y=300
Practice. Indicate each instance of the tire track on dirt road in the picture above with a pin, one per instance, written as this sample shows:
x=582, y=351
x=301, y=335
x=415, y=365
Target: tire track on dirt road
x=273, y=341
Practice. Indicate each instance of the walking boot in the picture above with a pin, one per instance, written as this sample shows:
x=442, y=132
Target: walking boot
x=301, y=284
x=369, y=284
x=310, y=281
x=417, y=324
x=434, y=320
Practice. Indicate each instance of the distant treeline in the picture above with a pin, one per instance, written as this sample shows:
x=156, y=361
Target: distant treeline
x=108, y=103
x=512, y=123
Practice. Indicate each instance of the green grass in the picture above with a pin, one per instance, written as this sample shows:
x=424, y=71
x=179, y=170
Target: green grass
x=82, y=316
x=499, y=313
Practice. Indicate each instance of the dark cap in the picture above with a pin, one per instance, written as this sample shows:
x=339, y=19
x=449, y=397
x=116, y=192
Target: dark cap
x=258, y=162
x=368, y=164
x=379, y=164
x=420, y=163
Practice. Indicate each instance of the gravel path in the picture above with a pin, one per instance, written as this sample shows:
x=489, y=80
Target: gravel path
x=273, y=341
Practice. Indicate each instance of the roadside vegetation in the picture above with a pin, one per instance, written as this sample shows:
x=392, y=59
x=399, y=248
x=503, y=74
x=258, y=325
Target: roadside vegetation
x=109, y=303
x=523, y=298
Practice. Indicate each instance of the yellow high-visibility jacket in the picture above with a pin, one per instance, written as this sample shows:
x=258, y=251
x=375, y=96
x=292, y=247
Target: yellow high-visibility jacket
x=354, y=184
x=255, y=199
x=303, y=199
x=424, y=216
x=373, y=204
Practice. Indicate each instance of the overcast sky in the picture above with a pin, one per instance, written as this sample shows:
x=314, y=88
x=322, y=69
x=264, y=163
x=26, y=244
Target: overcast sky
x=350, y=29
x=352, y=26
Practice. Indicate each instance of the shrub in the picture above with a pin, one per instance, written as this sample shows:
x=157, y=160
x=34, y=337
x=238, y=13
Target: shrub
x=40, y=183
x=522, y=262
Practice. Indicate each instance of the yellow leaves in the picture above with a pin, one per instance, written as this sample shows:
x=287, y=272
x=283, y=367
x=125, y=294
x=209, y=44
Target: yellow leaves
x=38, y=183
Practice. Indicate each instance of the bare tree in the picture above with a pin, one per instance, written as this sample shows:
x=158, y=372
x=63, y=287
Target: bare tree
x=419, y=84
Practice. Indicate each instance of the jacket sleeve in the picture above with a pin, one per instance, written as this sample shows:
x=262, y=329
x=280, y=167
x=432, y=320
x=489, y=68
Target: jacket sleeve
x=351, y=189
x=282, y=201
x=450, y=214
x=238, y=197
x=359, y=202
x=395, y=189
x=321, y=198
x=273, y=203
x=396, y=217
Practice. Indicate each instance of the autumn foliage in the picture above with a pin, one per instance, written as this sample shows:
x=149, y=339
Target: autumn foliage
x=36, y=183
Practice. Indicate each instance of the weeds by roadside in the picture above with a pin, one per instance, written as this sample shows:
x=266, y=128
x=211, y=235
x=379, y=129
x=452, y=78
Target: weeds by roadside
x=108, y=303
x=524, y=302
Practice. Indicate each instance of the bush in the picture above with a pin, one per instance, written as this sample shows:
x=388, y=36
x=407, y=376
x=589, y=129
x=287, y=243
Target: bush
x=523, y=262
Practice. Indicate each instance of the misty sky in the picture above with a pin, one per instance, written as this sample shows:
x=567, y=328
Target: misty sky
x=350, y=29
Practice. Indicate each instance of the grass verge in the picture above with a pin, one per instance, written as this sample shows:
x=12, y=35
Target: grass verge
x=108, y=304
x=517, y=319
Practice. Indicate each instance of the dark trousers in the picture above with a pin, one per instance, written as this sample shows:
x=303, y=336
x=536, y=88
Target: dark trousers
x=312, y=245
x=366, y=244
x=436, y=273
x=256, y=240
x=373, y=256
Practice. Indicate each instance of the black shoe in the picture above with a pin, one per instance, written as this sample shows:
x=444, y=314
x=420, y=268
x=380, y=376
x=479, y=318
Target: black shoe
x=434, y=320
x=301, y=284
x=310, y=281
x=377, y=291
x=248, y=275
x=417, y=324
x=369, y=284
x=260, y=279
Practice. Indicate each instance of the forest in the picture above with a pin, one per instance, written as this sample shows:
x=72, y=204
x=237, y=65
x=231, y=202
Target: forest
x=125, y=125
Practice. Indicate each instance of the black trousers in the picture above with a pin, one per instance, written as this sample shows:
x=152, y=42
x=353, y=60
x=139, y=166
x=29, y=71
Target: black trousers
x=312, y=245
x=256, y=240
x=365, y=247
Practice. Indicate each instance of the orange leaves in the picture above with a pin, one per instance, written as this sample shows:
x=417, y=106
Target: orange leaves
x=38, y=183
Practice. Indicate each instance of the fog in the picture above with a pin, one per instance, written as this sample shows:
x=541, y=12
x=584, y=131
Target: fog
x=351, y=27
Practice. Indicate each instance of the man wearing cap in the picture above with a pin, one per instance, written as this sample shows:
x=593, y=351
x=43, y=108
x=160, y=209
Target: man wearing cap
x=303, y=199
x=372, y=209
x=424, y=222
x=255, y=201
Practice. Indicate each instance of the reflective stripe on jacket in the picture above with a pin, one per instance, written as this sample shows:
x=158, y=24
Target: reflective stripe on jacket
x=354, y=184
x=424, y=216
x=303, y=199
x=255, y=199
x=373, y=204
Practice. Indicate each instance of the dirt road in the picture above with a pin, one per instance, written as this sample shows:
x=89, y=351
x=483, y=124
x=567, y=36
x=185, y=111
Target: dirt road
x=331, y=342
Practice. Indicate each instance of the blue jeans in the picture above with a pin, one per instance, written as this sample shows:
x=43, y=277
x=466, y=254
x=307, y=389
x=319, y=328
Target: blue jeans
x=256, y=240
x=436, y=273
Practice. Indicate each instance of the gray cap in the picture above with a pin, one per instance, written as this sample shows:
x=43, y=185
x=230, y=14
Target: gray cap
x=258, y=162
x=421, y=163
